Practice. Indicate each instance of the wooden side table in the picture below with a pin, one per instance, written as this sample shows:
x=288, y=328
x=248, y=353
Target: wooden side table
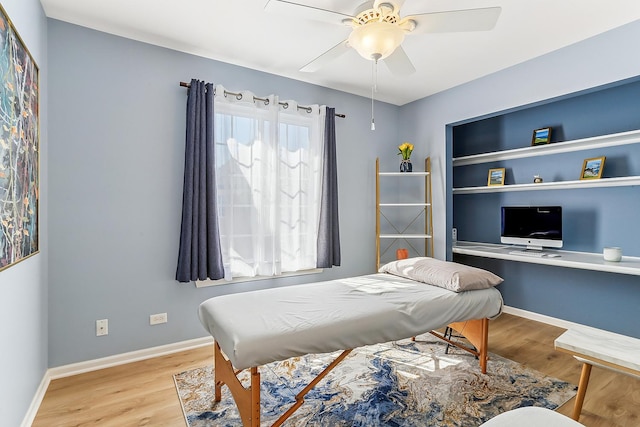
x=595, y=347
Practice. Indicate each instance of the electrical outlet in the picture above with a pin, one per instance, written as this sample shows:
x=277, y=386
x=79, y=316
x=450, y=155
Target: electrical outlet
x=155, y=319
x=454, y=234
x=102, y=327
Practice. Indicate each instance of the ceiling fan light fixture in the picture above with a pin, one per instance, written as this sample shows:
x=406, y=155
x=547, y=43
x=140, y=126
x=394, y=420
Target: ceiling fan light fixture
x=376, y=40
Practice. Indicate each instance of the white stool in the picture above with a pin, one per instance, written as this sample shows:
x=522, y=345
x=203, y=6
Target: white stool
x=530, y=416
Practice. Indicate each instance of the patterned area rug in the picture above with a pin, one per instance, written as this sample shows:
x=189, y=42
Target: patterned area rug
x=404, y=383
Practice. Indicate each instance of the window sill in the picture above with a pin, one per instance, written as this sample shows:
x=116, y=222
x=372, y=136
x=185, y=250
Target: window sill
x=207, y=283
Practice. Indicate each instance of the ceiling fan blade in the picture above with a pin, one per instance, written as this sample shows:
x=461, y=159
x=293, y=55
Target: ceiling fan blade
x=303, y=11
x=456, y=20
x=397, y=4
x=399, y=63
x=322, y=60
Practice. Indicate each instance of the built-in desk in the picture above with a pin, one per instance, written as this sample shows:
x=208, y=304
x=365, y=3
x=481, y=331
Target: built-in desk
x=569, y=259
x=600, y=348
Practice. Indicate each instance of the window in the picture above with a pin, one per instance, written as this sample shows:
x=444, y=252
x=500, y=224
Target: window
x=268, y=179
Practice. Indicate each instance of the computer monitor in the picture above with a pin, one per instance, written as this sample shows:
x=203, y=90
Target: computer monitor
x=535, y=227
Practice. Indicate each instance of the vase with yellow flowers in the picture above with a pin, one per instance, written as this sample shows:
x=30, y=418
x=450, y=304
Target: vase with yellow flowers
x=405, y=151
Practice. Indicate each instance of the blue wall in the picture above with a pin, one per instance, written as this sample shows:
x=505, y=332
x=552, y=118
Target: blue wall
x=603, y=300
x=551, y=76
x=117, y=155
x=597, y=111
x=592, y=217
x=23, y=287
x=556, y=76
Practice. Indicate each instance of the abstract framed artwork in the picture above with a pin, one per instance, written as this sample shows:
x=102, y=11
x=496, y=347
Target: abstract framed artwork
x=19, y=148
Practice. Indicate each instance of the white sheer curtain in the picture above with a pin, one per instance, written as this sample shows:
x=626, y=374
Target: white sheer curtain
x=268, y=163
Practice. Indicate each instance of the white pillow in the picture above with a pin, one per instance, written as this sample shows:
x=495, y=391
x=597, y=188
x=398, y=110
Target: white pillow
x=449, y=275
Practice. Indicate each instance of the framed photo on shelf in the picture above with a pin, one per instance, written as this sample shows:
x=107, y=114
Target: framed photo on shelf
x=541, y=136
x=592, y=168
x=496, y=177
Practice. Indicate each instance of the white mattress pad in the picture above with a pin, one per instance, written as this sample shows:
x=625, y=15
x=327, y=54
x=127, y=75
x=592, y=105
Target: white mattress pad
x=259, y=327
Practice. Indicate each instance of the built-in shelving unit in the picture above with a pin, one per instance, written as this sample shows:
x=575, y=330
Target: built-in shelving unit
x=569, y=259
x=574, y=282
x=424, y=209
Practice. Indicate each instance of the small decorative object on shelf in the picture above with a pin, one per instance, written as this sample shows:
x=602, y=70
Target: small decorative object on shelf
x=592, y=168
x=537, y=179
x=541, y=136
x=405, y=151
x=496, y=177
x=612, y=254
x=402, y=253
x=406, y=166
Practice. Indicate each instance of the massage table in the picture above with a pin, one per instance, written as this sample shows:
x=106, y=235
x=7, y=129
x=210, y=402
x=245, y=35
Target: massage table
x=251, y=329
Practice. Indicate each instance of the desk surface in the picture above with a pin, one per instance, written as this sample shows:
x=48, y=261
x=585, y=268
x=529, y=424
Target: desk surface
x=613, y=349
x=580, y=260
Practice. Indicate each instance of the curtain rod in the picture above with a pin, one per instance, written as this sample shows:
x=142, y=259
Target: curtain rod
x=265, y=100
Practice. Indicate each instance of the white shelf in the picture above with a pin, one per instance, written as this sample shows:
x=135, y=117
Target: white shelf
x=404, y=205
x=405, y=236
x=624, y=181
x=579, y=260
x=612, y=140
x=417, y=173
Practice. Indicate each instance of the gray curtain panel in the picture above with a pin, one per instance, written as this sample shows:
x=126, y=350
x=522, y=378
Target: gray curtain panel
x=199, y=255
x=329, y=231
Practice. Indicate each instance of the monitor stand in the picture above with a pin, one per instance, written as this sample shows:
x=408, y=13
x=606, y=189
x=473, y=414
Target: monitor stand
x=534, y=251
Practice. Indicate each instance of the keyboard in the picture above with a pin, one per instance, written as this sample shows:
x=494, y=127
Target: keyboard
x=534, y=254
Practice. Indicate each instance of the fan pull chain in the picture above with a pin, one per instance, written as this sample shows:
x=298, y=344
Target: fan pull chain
x=374, y=88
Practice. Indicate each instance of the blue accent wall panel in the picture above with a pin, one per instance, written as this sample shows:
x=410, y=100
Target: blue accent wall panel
x=592, y=217
x=602, y=300
x=600, y=111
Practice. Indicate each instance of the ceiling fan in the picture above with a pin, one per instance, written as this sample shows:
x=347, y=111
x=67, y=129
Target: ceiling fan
x=378, y=29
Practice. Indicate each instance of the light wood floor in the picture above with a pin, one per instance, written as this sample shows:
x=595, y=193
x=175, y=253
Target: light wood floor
x=143, y=393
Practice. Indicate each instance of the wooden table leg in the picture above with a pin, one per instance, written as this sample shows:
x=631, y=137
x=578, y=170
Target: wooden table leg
x=582, y=390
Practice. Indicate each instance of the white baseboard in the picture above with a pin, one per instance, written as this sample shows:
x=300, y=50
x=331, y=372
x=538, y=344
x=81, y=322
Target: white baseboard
x=106, y=362
x=36, y=401
x=121, y=359
x=553, y=321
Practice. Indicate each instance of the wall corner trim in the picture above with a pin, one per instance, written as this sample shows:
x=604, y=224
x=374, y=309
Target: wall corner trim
x=30, y=416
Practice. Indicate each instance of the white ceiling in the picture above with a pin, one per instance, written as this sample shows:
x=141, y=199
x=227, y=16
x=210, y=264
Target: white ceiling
x=241, y=32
